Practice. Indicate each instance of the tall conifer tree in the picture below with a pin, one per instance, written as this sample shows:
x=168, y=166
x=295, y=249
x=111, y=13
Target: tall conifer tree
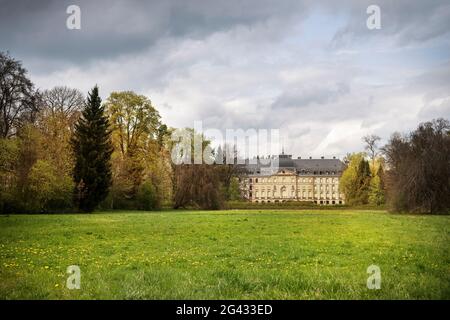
x=363, y=182
x=92, y=150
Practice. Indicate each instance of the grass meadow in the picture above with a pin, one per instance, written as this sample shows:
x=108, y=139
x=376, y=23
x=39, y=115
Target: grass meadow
x=234, y=254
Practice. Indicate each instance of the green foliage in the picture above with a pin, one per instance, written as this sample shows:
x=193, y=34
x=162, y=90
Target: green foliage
x=362, y=183
x=377, y=189
x=9, y=150
x=30, y=179
x=139, y=153
x=234, y=190
x=29, y=145
x=134, y=121
x=92, y=149
x=9, y=155
x=355, y=180
x=147, y=198
x=48, y=191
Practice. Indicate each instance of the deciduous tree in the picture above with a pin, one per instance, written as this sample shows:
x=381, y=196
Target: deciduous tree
x=138, y=159
x=371, y=146
x=17, y=96
x=418, y=175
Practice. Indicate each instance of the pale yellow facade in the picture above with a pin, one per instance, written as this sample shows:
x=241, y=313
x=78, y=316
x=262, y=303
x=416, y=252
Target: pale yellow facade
x=286, y=185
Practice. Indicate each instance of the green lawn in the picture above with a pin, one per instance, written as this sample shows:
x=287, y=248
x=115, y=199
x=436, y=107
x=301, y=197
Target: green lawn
x=285, y=254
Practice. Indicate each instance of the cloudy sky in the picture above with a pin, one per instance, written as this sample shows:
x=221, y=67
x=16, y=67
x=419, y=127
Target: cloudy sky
x=309, y=68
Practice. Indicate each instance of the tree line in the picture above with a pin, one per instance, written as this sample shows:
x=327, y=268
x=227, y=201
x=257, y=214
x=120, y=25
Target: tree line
x=60, y=152
x=411, y=173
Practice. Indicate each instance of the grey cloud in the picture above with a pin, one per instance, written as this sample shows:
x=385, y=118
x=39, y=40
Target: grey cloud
x=113, y=27
x=434, y=83
x=435, y=86
x=305, y=95
x=436, y=110
x=244, y=64
x=110, y=28
x=404, y=22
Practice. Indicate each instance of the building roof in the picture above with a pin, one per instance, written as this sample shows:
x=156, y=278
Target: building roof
x=311, y=166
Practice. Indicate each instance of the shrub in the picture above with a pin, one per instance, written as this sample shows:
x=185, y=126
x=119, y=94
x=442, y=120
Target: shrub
x=147, y=198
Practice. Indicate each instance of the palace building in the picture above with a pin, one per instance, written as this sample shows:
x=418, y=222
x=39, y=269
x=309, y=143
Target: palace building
x=314, y=180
